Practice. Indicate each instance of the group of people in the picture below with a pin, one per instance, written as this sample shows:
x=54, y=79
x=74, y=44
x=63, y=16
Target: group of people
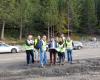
x=57, y=47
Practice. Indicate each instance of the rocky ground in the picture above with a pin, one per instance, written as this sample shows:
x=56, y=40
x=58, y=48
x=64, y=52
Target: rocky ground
x=88, y=69
x=86, y=66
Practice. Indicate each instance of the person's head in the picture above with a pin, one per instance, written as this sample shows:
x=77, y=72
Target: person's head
x=68, y=38
x=44, y=37
x=57, y=39
x=62, y=35
x=39, y=37
x=60, y=40
x=52, y=39
x=30, y=37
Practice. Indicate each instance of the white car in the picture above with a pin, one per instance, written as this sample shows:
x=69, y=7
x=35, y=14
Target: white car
x=8, y=48
x=77, y=45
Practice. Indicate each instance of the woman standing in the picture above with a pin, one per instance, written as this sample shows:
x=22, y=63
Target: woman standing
x=61, y=51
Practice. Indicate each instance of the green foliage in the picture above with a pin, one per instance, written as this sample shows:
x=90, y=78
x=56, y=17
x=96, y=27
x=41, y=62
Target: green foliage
x=36, y=15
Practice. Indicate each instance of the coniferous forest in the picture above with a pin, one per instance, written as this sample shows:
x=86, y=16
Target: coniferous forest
x=21, y=17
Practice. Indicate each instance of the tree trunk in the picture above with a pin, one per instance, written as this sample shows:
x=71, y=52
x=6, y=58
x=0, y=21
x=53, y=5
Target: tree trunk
x=21, y=30
x=21, y=19
x=68, y=19
x=2, y=31
x=48, y=33
x=53, y=32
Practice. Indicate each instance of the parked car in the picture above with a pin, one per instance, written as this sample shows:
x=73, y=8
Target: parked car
x=77, y=45
x=8, y=48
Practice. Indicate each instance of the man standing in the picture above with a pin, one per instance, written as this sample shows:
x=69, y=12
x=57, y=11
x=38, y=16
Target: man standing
x=52, y=49
x=69, y=46
x=43, y=56
x=29, y=45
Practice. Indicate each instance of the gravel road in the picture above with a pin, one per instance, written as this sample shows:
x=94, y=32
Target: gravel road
x=86, y=66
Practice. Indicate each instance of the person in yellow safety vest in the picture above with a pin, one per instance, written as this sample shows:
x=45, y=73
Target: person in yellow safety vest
x=36, y=48
x=64, y=38
x=61, y=51
x=69, y=47
x=29, y=45
x=43, y=48
x=36, y=42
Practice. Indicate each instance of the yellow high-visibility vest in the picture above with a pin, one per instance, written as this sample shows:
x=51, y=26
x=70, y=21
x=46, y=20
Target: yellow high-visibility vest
x=44, y=45
x=69, y=44
x=28, y=47
x=35, y=41
x=61, y=48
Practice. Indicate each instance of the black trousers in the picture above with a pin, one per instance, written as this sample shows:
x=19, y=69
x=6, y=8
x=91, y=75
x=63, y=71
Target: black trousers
x=61, y=56
x=52, y=56
x=29, y=56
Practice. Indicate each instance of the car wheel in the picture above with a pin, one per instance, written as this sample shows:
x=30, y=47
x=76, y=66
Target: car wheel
x=14, y=50
x=79, y=47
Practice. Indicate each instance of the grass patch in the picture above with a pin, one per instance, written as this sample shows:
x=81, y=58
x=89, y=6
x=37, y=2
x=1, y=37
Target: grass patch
x=13, y=41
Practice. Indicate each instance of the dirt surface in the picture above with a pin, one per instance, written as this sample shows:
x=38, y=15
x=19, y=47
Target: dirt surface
x=86, y=66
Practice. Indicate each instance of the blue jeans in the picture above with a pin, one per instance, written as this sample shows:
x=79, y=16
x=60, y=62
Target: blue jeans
x=43, y=57
x=69, y=55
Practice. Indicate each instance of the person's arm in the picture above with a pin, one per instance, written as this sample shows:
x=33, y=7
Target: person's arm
x=65, y=44
x=32, y=42
x=72, y=44
x=27, y=43
x=40, y=44
x=56, y=44
x=49, y=45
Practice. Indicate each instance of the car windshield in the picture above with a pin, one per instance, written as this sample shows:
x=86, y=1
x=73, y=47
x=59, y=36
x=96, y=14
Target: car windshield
x=4, y=45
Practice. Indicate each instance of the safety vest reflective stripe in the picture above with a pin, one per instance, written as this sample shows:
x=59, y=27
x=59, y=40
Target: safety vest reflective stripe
x=69, y=44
